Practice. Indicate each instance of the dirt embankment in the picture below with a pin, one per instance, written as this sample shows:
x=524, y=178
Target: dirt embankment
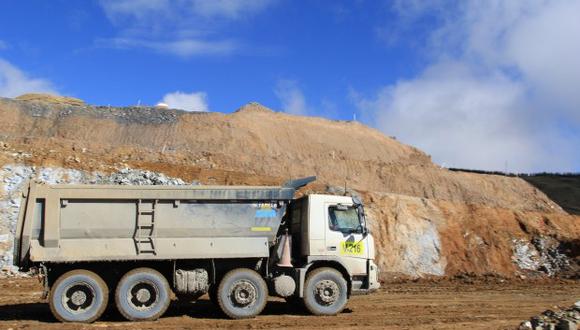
x=254, y=141
x=434, y=237
x=426, y=220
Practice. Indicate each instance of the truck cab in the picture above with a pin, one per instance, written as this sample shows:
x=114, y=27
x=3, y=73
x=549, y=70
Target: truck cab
x=329, y=230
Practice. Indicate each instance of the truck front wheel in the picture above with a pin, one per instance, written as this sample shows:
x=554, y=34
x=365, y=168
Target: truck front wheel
x=325, y=292
x=242, y=293
x=78, y=296
x=142, y=295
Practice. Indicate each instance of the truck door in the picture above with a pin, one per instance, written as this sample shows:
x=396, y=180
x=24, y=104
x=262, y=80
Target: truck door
x=344, y=236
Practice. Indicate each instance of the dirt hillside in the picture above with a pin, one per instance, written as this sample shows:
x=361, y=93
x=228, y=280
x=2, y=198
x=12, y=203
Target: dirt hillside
x=427, y=220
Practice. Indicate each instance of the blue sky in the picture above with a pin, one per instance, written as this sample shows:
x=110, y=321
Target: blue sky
x=488, y=85
x=323, y=50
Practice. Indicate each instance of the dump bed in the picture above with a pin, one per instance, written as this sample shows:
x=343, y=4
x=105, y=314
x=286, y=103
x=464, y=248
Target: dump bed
x=70, y=223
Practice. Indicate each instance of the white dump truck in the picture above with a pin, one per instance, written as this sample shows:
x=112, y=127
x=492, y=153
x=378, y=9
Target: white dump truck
x=140, y=246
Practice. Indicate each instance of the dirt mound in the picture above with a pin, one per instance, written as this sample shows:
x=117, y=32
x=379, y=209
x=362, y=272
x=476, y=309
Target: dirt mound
x=427, y=220
x=48, y=98
x=432, y=237
x=256, y=141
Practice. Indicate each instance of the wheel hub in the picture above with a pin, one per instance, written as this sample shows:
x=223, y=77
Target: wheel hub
x=143, y=295
x=326, y=292
x=243, y=293
x=78, y=297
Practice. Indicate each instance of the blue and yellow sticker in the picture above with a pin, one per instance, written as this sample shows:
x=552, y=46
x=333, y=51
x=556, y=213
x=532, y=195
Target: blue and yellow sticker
x=352, y=248
x=265, y=211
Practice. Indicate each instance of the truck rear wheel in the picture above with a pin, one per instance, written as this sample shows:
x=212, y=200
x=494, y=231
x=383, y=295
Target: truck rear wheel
x=325, y=292
x=78, y=296
x=142, y=295
x=242, y=293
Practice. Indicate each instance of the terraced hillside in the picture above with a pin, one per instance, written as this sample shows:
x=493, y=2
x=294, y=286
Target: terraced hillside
x=427, y=220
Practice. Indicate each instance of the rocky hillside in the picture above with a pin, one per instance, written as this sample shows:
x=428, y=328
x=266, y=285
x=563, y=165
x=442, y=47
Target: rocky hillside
x=427, y=220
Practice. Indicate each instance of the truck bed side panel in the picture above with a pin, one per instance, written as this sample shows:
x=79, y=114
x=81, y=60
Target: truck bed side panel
x=92, y=223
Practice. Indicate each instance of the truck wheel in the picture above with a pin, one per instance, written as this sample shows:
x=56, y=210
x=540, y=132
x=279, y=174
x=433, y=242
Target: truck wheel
x=78, y=296
x=242, y=293
x=142, y=295
x=325, y=292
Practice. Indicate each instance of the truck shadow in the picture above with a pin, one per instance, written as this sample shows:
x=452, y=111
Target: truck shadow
x=31, y=311
x=205, y=309
x=201, y=309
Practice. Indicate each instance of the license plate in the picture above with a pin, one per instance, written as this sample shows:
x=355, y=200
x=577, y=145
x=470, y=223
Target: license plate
x=352, y=248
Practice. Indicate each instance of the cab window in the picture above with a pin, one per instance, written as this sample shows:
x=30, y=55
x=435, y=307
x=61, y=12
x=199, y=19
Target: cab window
x=344, y=219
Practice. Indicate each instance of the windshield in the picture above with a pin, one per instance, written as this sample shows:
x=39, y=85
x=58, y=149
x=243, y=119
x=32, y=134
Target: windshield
x=344, y=219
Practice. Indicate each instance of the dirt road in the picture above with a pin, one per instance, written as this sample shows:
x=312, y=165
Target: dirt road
x=445, y=305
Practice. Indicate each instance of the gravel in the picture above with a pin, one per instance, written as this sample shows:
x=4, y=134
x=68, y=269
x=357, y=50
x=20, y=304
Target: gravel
x=147, y=115
x=541, y=255
x=13, y=179
x=560, y=318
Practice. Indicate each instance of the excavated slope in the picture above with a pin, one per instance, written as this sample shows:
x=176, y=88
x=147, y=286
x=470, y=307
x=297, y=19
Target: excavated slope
x=256, y=140
x=426, y=220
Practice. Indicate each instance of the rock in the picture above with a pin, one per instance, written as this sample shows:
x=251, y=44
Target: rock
x=334, y=190
x=567, y=325
x=541, y=254
x=565, y=319
x=526, y=325
x=14, y=177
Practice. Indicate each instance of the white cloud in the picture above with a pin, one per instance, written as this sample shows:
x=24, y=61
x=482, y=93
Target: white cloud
x=152, y=9
x=15, y=82
x=196, y=101
x=228, y=8
x=545, y=47
x=138, y=9
x=467, y=120
x=182, y=47
x=499, y=86
x=291, y=97
x=182, y=28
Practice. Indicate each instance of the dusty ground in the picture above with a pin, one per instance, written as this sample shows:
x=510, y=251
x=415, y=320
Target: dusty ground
x=443, y=305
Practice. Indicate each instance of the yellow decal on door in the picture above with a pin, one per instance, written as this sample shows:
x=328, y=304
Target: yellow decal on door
x=352, y=248
x=261, y=229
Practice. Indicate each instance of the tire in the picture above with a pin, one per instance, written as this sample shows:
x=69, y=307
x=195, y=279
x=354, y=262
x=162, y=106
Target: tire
x=143, y=294
x=78, y=296
x=325, y=292
x=242, y=293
